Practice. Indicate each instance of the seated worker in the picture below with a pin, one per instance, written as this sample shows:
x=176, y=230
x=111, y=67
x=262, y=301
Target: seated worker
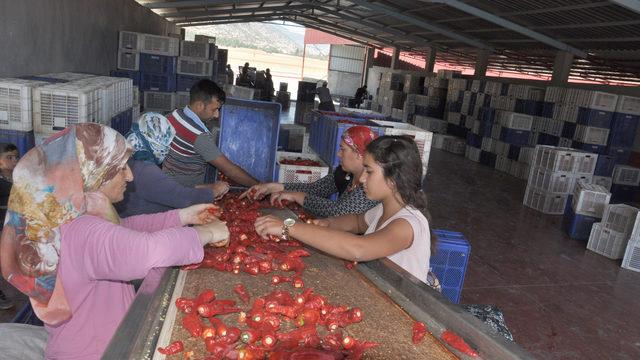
x=64, y=246
x=326, y=102
x=397, y=228
x=345, y=180
x=151, y=190
x=194, y=146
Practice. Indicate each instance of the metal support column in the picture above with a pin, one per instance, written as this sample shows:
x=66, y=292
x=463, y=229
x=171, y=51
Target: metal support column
x=395, y=58
x=430, y=59
x=562, y=68
x=482, y=61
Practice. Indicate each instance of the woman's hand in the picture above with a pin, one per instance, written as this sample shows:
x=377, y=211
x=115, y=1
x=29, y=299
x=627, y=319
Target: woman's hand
x=199, y=214
x=269, y=225
x=290, y=196
x=261, y=190
x=215, y=232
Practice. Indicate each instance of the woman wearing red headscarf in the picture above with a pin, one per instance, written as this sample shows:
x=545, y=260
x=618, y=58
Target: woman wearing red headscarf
x=344, y=181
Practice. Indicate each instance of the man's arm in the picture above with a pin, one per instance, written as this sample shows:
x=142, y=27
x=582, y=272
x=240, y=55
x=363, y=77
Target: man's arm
x=233, y=171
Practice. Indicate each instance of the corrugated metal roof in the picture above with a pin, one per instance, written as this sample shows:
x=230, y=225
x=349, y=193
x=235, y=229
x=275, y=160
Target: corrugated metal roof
x=523, y=34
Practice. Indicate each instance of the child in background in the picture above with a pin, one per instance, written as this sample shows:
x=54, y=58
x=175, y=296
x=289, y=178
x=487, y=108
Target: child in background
x=396, y=228
x=8, y=159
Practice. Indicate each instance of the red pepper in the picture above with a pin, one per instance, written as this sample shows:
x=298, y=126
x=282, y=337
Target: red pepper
x=219, y=326
x=354, y=315
x=218, y=347
x=281, y=297
x=348, y=342
x=275, y=308
x=191, y=267
x=173, y=348
x=333, y=341
x=350, y=264
x=251, y=268
x=215, y=211
x=233, y=334
x=359, y=348
x=269, y=340
x=250, y=336
x=191, y=322
x=297, y=282
x=458, y=343
x=273, y=321
x=315, y=302
x=185, y=305
x=308, y=316
x=242, y=292
x=292, y=264
x=419, y=331
x=208, y=332
x=206, y=296
x=298, y=334
x=265, y=267
x=212, y=309
x=277, y=279
x=298, y=253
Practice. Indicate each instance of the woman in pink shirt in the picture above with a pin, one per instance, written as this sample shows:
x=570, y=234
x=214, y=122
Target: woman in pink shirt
x=65, y=247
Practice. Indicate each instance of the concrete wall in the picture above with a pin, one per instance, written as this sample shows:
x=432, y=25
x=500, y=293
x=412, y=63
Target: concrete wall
x=42, y=36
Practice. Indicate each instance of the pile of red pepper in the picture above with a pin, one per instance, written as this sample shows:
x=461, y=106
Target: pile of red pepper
x=300, y=162
x=278, y=325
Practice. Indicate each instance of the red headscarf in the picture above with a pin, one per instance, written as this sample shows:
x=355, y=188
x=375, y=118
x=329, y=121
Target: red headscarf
x=358, y=137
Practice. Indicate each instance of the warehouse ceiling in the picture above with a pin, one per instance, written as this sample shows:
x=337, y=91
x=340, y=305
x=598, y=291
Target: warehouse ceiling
x=523, y=35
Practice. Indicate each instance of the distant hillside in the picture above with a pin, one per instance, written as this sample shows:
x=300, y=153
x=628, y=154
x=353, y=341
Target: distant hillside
x=267, y=37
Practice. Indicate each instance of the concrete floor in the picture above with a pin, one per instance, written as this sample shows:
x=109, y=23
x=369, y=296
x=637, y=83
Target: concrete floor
x=560, y=300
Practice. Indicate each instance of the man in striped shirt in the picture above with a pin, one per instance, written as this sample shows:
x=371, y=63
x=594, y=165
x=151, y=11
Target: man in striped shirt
x=194, y=146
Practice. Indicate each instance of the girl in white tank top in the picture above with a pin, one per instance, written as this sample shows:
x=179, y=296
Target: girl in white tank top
x=396, y=228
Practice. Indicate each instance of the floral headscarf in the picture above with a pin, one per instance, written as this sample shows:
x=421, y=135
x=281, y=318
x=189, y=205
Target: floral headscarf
x=150, y=137
x=53, y=184
x=358, y=137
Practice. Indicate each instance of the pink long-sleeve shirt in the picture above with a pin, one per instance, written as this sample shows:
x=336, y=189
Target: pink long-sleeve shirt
x=97, y=259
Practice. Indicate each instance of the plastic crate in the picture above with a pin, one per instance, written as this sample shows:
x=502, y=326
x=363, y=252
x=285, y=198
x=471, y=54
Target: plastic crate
x=514, y=120
x=249, y=136
x=23, y=140
x=594, y=148
x=594, y=118
x=26, y=315
x=56, y=108
x=133, y=75
x=590, y=199
x=472, y=153
x=554, y=158
x=503, y=164
x=553, y=204
x=421, y=137
x=624, y=193
x=623, y=130
x=628, y=105
x=159, y=45
x=607, y=242
x=194, y=49
x=128, y=60
x=241, y=92
x=626, y=175
x=488, y=159
x=300, y=174
x=130, y=40
x=600, y=100
x=517, y=137
x=185, y=82
x=161, y=102
x=182, y=99
x=550, y=182
x=474, y=140
x=295, y=138
x=578, y=226
x=604, y=181
x=16, y=103
x=122, y=122
x=591, y=135
x=631, y=260
x=453, y=145
x=519, y=170
x=194, y=67
x=450, y=261
x=621, y=218
x=605, y=166
x=158, y=64
x=431, y=124
x=157, y=82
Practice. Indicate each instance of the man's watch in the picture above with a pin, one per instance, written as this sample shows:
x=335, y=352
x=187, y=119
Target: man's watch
x=288, y=223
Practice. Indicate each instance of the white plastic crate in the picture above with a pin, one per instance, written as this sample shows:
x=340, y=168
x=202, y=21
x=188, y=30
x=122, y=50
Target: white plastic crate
x=438, y=140
x=584, y=163
x=607, y=242
x=526, y=155
x=115, y=95
x=16, y=103
x=135, y=96
x=519, y=170
x=626, y=175
x=69, y=76
x=239, y=92
x=182, y=99
x=590, y=199
x=194, y=49
x=431, y=124
x=453, y=145
x=600, y=101
x=57, y=107
x=488, y=144
x=555, y=158
x=553, y=204
x=603, y=181
x=297, y=173
x=621, y=218
x=550, y=182
x=194, y=66
x=421, y=137
x=130, y=40
x=472, y=153
x=503, y=164
x=631, y=260
x=628, y=105
x=501, y=148
x=513, y=120
x=565, y=142
x=135, y=113
x=591, y=135
x=159, y=45
x=128, y=60
x=159, y=101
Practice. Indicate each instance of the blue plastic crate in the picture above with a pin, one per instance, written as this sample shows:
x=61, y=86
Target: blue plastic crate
x=485, y=128
x=249, y=136
x=487, y=114
x=283, y=140
x=457, y=130
x=605, y=165
x=23, y=140
x=474, y=140
x=547, y=109
x=623, y=155
x=455, y=106
x=623, y=193
x=597, y=149
x=26, y=315
x=577, y=226
x=623, y=130
x=122, y=122
x=513, y=136
x=185, y=82
x=450, y=261
x=130, y=74
x=546, y=139
x=568, y=130
x=488, y=159
x=158, y=64
x=514, y=152
x=595, y=118
x=157, y=82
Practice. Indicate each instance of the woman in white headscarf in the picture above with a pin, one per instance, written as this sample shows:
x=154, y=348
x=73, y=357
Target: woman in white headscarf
x=151, y=190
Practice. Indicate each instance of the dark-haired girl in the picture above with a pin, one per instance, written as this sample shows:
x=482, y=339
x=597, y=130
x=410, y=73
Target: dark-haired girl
x=396, y=228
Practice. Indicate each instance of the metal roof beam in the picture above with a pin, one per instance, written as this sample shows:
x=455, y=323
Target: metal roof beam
x=247, y=18
x=633, y=5
x=362, y=34
x=195, y=3
x=393, y=12
x=236, y=21
x=511, y=26
x=203, y=13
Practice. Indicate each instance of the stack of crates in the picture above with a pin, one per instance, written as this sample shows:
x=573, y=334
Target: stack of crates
x=194, y=64
x=129, y=44
x=611, y=236
x=449, y=262
x=595, y=112
x=587, y=207
x=631, y=258
x=626, y=183
x=553, y=176
x=421, y=137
